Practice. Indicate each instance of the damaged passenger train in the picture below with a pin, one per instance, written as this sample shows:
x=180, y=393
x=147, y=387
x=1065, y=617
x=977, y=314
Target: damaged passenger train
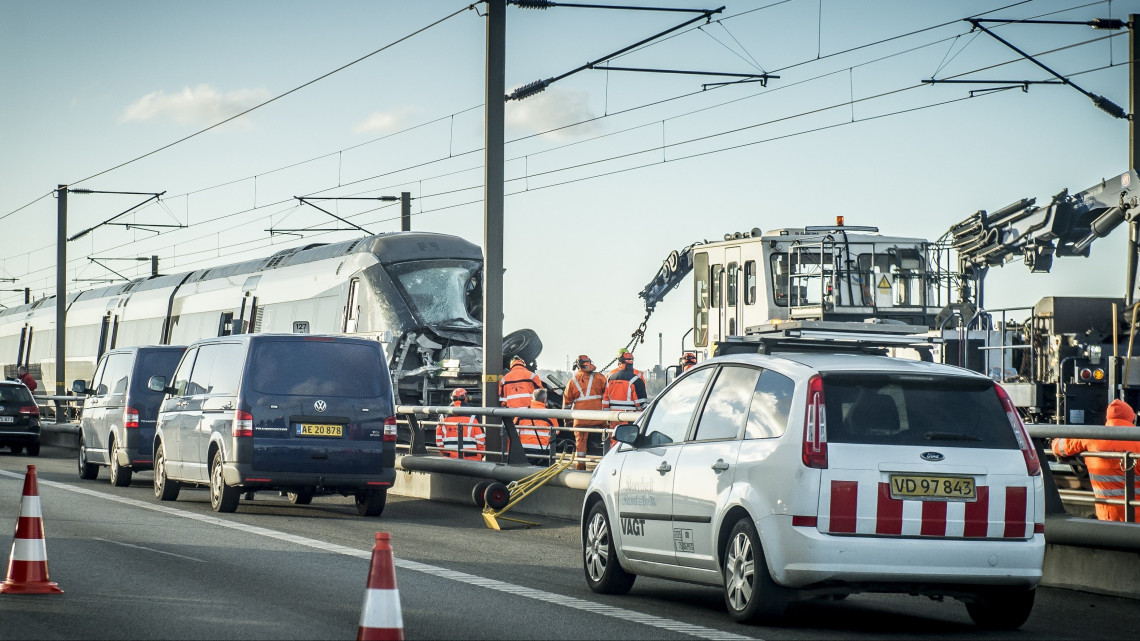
x=418, y=293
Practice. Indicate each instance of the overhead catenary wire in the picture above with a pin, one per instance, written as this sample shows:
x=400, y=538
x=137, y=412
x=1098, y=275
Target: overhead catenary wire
x=562, y=169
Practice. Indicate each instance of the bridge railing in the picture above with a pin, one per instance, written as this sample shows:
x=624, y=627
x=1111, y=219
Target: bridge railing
x=63, y=409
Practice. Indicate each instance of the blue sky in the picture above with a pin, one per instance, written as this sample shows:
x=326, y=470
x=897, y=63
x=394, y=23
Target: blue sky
x=607, y=171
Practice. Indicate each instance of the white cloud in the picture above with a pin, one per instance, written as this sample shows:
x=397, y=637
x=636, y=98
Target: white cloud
x=202, y=105
x=383, y=122
x=551, y=109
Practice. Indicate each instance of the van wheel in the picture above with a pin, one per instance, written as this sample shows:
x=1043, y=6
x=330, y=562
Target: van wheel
x=34, y=449
x=300, y=498
x=497, y=496
x=120, y=476
x=999, y=609
x=478, y=494
x=604, y=573
x=223, y=498
x=87, y=470
x=749, y=591
x=164, y=488
x=371, y=502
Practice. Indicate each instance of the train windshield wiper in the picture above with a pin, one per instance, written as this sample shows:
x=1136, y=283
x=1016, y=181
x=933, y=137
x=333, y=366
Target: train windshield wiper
x=950, y=436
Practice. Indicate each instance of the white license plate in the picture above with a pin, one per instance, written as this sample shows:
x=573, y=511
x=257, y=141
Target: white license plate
x=7, y=419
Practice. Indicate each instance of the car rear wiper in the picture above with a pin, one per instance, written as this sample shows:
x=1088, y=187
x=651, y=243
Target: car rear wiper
x=950, y=436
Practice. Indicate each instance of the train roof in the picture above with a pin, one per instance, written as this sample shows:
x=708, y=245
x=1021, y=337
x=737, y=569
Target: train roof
x=388, y=248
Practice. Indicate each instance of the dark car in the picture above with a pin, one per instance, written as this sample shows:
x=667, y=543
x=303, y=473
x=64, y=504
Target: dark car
x=118, y=417
x=296, y=413
x=19, y=418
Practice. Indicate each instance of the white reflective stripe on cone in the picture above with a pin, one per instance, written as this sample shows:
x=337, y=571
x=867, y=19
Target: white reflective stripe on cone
x=30, y=507
x=29, y=550
x=381, y=609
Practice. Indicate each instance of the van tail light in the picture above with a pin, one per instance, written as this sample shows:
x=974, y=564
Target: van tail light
x=30, y=409
x=131, y=418
x=815, y=426
x=1024, y=443
x=243, y=424
x=390, y=429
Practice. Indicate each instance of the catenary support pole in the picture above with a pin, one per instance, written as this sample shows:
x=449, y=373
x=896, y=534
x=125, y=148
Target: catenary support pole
x=405, y=211
x=60, y=294
x=1133, y=157
x=493, y=201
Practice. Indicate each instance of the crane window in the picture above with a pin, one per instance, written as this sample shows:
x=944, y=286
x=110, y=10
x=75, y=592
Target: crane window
x=717, y=276
x=798, y=277
x=750, y=282
x=701, y=299
x=731, y=288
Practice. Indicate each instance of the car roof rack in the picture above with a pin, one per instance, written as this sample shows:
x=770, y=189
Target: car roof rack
x=872, y=337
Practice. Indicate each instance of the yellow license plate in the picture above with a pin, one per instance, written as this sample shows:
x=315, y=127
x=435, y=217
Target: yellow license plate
x=315, y=429
x=907, y=486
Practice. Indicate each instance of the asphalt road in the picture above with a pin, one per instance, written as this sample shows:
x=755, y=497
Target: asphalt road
x=134, y=568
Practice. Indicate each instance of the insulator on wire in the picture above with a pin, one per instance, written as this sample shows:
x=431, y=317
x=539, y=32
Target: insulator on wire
x=1107, y=23
x=1110, y=107
x=528, y=90
x=533, y=4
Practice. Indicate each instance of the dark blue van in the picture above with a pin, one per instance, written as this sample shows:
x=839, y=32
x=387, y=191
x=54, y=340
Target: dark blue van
x=119, y=412
x=297, y=413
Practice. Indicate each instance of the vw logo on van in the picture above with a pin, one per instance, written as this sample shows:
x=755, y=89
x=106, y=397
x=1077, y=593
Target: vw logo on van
x=320, y=406
x=932, y=456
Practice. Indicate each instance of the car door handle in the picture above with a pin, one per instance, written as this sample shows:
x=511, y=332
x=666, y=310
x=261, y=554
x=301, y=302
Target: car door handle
x=664, y=467
x=719, y=466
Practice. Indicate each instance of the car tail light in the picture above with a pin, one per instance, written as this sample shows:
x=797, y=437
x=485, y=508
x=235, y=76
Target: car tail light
x=1032, y=463
x=131, y=418
x=243, y=424
x=30, y=409
x=390, y=429
x=815, y=426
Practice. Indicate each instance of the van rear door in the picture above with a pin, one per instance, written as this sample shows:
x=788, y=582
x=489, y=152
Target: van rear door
x=318, y=406
x=922, y=455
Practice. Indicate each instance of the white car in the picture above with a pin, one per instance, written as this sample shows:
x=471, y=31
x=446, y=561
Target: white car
x=799, y=475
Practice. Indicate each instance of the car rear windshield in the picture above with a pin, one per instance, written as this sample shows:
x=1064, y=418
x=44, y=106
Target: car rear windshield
x=153, y=363
x=915, y=410
x=317, y=368
x=15, y=394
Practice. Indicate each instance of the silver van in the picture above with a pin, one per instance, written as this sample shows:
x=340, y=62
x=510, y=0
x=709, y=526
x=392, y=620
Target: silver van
x=119, y=411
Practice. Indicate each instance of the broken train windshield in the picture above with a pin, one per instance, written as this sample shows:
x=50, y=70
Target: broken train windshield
x=441, y=293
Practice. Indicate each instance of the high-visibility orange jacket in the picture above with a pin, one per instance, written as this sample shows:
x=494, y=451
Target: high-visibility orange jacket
x=517, y=386
x=1105, y=474
x=585, y=392
x=448, y=431
x=625, y=390
x=535, y=432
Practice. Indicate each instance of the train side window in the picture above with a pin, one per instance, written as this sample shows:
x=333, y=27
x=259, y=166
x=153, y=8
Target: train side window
x=226, y=324
x=731, y=286
x=750, y=282
x=701, y=299
x=353, y=288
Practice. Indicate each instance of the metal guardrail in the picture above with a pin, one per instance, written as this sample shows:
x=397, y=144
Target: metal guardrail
x=56, y=406
x=508, y=447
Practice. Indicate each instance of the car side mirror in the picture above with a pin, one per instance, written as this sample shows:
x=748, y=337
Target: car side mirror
x=80, y=387
x=158, y=384
x=626, y=433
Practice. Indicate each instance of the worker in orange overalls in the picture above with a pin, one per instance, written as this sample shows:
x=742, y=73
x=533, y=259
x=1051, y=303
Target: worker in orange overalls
x=625, y=388
x=535, y=433
x=687, y=361
x=517, y=386
x=584, y=392
x=1105, y=474
x=450, y=427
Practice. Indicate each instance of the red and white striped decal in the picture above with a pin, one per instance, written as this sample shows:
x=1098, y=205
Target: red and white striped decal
x=851, y=507
x=381, y=618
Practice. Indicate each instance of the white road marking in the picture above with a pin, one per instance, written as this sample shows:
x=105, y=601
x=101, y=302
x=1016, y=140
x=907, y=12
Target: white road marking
x=461, y=577
x=143, y=547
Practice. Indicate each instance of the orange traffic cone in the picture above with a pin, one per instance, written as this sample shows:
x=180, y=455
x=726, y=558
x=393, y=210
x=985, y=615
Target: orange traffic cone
x=27, y=567
x=381, y=618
